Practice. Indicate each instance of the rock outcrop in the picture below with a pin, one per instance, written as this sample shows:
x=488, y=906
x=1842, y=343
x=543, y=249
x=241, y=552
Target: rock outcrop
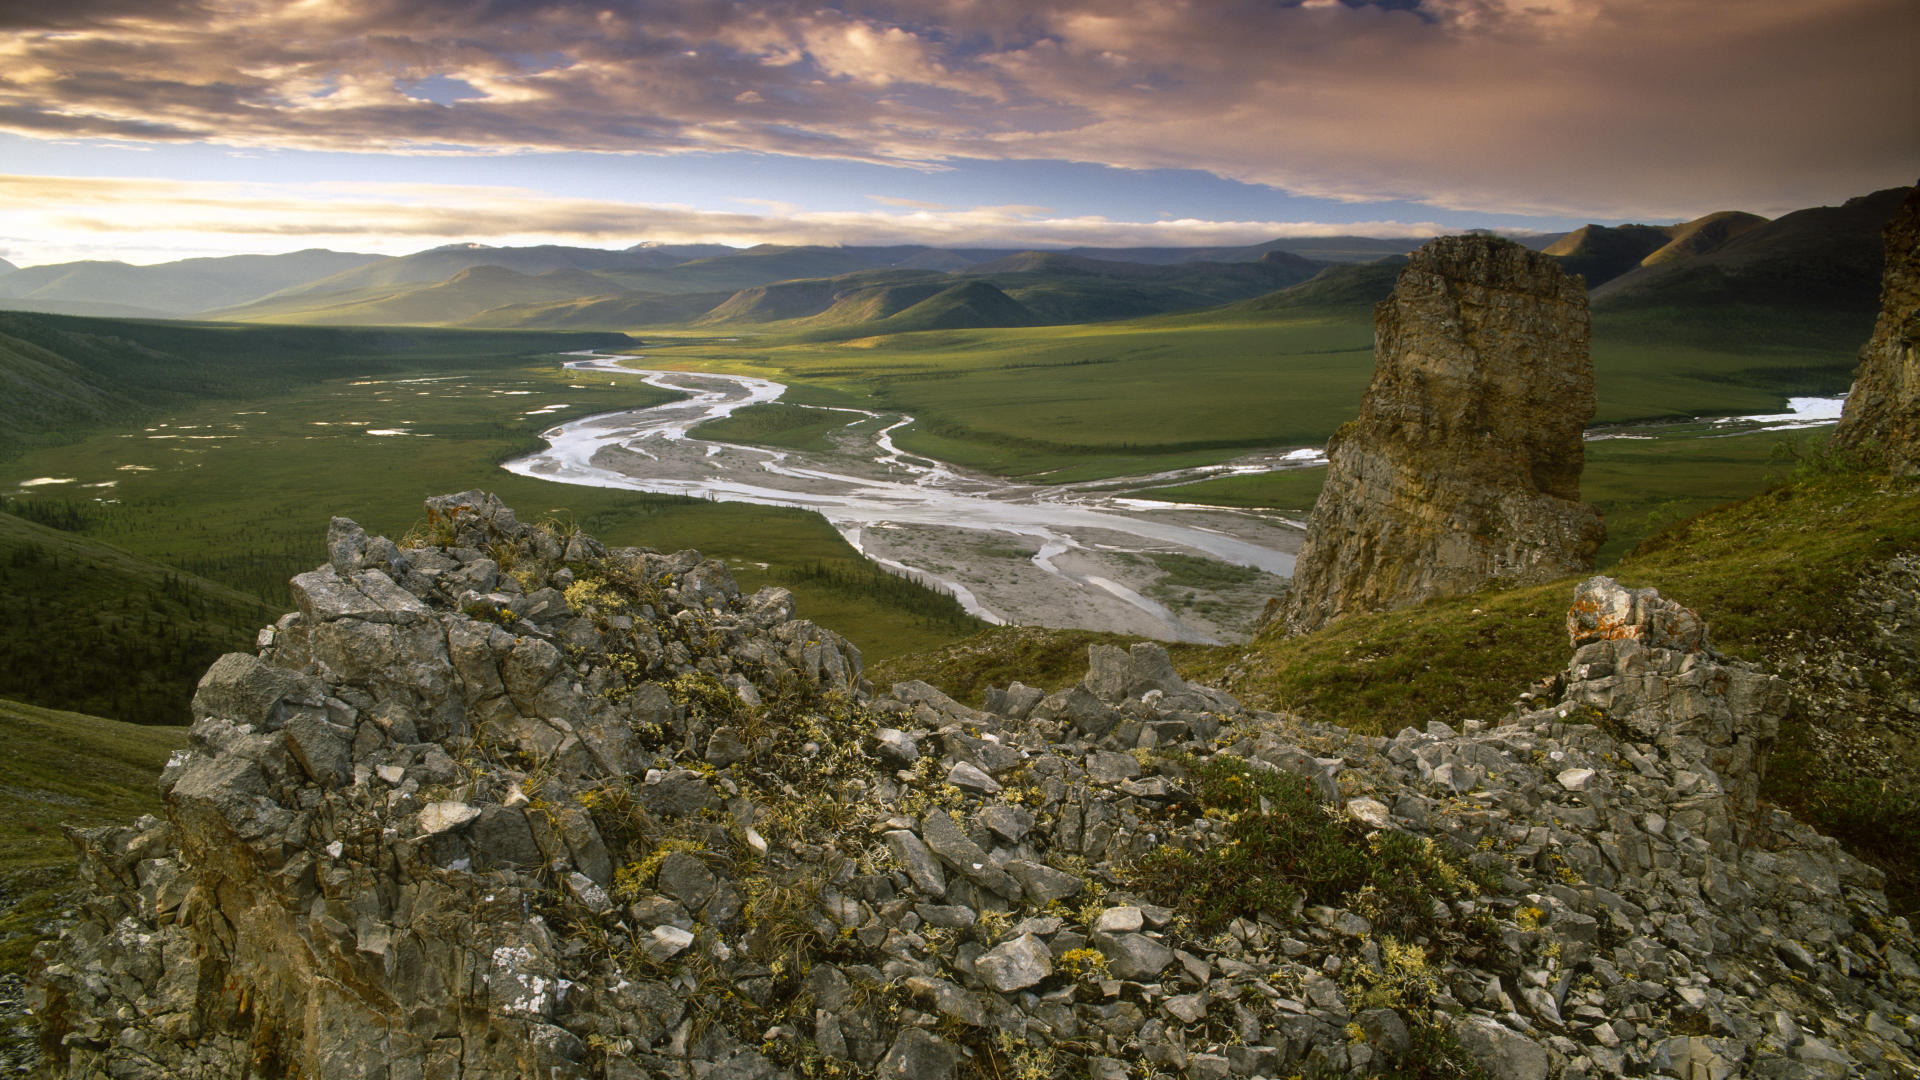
x=506, y=803
x=1464, y=464
x=1883, y=410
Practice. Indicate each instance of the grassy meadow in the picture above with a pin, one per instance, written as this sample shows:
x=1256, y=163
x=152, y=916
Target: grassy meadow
x=1088, y=401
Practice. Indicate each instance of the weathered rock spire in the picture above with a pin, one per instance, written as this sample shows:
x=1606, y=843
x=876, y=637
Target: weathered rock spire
x=1884, y=407
x=1464, y=464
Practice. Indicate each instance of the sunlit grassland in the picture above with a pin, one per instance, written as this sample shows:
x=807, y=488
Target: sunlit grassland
x=1073, y=402
x=241, y=492
x=1063, y=403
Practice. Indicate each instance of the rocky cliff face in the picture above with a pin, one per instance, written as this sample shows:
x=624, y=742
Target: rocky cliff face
x=1884, y=407
x=1464, y=464
x=509, y=804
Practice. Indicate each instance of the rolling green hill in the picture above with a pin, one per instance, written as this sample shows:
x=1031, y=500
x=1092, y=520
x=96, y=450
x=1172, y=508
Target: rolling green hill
x=966, y=306
x=460, y=298
x=62, y=374
x=806, y=297
x=1827, y=258
x=87, y=626
x=614, y=312
x=1600, y=253
x=185, y=287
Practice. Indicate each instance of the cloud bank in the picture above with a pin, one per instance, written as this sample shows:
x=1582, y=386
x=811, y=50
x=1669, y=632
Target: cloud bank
x=406, y=217
x=1587, y=108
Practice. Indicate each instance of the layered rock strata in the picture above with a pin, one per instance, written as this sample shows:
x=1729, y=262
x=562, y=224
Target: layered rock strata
x=1883, y=409
x=508, y=804
x=1464, y=464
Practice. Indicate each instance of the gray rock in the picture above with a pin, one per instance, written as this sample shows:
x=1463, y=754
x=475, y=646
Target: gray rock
x=1503, y=1053
x=1109, y=767
x=1387, y=1033
x=686, y=879
x=1133, y=956
x=1016, y=965
x=897, y=747
x=967, y=777
x=918, y=1055
x=920, y=864
x=1043, y=884
x=440, y=817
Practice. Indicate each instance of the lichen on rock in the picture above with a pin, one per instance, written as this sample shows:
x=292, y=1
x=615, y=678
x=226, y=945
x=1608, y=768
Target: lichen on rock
x=1464, y=464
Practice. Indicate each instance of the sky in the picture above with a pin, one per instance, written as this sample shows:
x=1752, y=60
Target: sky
x=149, y=130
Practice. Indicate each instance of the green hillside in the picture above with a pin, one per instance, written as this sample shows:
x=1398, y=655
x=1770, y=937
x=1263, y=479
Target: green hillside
x=615, y=312
x=60, y=769
x=62, y=374
x=90, y=627
x=1826, y=258
x=1599, y=253
x=173, y=289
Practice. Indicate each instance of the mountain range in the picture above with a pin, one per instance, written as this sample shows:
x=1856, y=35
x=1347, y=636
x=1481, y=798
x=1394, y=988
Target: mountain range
x=1822, y=259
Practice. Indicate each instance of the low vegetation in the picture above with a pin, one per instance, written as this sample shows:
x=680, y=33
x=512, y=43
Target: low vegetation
x=793, y=427
x=91, y=628
x=63, y=768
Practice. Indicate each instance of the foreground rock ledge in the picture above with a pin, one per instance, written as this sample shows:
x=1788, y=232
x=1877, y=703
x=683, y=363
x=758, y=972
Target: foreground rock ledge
x=1464, y=464
x=505, y=803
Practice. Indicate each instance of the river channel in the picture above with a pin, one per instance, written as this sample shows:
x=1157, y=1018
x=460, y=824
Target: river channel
x=1055, y=555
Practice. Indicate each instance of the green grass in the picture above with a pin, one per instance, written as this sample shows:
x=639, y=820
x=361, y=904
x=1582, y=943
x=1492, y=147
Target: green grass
x=64, y=376
x=795, y=427
x=1754, y=569
x=1290, y=491
x=64, y=768
x=1075, y=402
x=1078, y=402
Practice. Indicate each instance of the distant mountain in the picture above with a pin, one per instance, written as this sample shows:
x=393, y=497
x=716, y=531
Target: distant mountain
x=442, y=263
x=1318, y=248
x=186, y=287
x=1601, y=253
x=618, y=311
x=459, y=298
x=1348, y=285
x=7, y=267
x=808, y=296
x=970, y=305
x=873, y=303
x=1826, y=258
x=681, y=252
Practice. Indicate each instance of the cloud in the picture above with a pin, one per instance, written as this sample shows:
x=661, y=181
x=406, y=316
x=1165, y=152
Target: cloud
x=1595, y=108
x=225, y=216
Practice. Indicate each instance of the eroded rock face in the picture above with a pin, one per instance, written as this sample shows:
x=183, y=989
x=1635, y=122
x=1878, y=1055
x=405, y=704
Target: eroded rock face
x=431, y=831
x=1884, y=407
x=1464, y=465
